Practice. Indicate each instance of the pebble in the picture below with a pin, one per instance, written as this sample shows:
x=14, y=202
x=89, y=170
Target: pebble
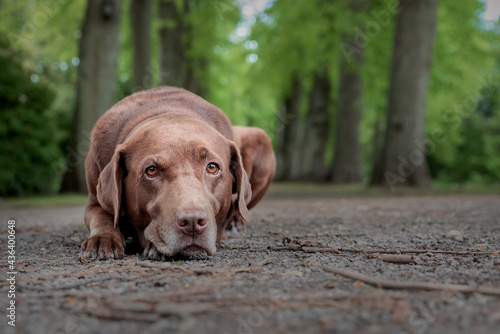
x=455, y=235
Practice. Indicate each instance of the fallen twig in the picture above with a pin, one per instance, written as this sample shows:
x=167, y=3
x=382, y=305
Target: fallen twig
x=120, y=315
x=320, y=249
x=99, y=279
x=152, y=308
x=289, y=247
x=306, y=249
x=391, y=284
x=287, y=240
x=161, y=265
x=398, y=258
x=270, y=235
x=308, y=246
x=206, y=270
x=278, y=234
x=253, y=266
x=415, y=251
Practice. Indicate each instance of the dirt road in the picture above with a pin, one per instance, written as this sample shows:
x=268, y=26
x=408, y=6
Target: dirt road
x=271, y=278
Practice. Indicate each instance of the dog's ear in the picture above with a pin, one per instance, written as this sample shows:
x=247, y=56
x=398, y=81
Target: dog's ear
x=241, y=185
x=109, y=186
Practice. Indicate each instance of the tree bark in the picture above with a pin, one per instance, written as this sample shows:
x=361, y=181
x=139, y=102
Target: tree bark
x=316, y=130
x=95, y=90
x=176, y=37
x=194, y=67
x=288, y=143
x=173, y=65
x=403, y=158
x=347, y=167
x=140, y=17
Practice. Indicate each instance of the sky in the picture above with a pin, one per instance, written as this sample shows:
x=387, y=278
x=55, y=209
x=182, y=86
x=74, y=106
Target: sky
x=492, y=12
x=250, y=9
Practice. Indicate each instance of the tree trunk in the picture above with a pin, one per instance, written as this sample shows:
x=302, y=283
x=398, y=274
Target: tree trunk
x=140, y=17
x=377, y=145
x=96, y=83
x=173, y=64
x=346, y=161
x=347, y=167
x=288, y=141
x=176, y=36
x=192, y=82
x=316, y=130
x=403, y=158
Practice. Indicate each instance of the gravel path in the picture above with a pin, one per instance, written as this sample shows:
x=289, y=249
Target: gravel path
x=250, y=286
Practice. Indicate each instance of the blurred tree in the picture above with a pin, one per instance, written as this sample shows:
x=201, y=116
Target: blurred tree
x=317, y=127
x=287, y=133
x=308, y=54
x=173, y=63
x=140, y=18
x=402, y=159
x=185, y=28
x=347, y=166
x=96, y=81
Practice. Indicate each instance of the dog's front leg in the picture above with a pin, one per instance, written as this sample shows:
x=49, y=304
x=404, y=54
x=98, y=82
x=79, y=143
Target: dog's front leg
x=105, y=240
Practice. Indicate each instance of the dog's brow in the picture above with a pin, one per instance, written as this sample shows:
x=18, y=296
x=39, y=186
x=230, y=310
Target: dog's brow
x=158, y=161
x=203, y=153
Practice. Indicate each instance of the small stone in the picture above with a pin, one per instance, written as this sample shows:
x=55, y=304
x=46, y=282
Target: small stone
x=297, y=273
x=456, y=235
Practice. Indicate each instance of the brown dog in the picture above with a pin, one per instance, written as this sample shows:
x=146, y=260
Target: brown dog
x=163, y=170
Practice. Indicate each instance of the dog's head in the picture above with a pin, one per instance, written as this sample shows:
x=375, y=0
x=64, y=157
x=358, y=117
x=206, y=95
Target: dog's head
x=177, y=181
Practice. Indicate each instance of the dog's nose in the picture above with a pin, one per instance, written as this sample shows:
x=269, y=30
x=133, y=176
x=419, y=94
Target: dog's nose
x=192, y=222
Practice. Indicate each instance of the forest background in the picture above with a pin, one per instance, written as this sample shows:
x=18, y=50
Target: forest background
x=379, y=92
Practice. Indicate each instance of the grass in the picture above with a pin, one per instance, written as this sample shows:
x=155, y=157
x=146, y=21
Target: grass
x=355, y=190
x=43, y=201
x=286, y=190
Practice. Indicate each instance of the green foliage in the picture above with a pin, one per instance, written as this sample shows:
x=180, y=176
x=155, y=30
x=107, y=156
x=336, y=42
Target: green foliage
x=289, y=38
x=464, y=78
x=29, y=147
x=476, y=158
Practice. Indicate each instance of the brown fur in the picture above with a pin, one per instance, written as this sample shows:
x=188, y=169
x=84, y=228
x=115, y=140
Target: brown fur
x=259, y=163
x=183, y=208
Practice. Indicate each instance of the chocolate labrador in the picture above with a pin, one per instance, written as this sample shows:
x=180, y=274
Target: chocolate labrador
x=167, y=170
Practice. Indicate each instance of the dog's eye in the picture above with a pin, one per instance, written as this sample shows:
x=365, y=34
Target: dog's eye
x=151, y=171
x=212, y=168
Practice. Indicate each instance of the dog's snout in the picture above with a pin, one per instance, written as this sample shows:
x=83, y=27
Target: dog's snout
x=192, y=222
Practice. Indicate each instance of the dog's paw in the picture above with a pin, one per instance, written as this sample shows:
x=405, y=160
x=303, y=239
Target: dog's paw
x=103, y=246
x=235, y=225
x=151, y=253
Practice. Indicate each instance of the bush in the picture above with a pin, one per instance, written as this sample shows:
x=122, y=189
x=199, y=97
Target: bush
x=27, y=133
x=476, y=158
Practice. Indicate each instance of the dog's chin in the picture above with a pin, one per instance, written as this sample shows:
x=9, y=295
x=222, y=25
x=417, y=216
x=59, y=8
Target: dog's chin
x=190, y=251
x=195, y=252
x=175, y=244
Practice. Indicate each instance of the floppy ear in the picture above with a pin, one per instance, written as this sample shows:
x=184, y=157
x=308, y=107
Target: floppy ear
x=109, y=186
x=241, y=185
